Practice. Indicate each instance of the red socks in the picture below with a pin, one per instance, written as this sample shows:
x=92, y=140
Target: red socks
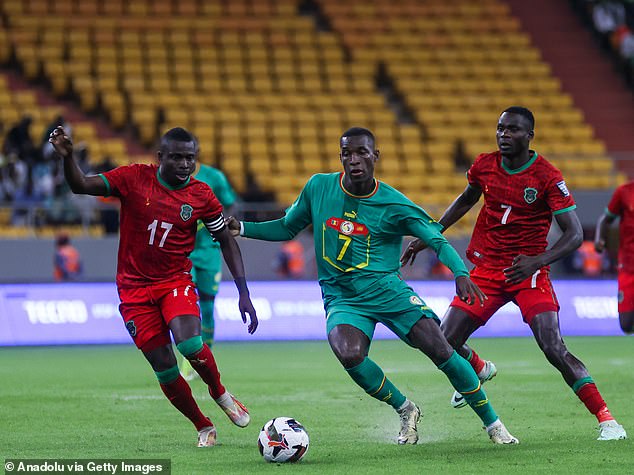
x=476, y=362
x=591, y=397
x=180, y=395
x=205, y=365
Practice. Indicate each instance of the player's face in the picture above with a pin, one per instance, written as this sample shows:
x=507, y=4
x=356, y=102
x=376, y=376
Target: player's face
x=514, y=134
x=177, y=161
x=358, y=157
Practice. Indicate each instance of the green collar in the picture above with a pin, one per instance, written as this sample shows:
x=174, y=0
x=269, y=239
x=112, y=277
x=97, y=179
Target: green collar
x=167, y=185
x=511, y=171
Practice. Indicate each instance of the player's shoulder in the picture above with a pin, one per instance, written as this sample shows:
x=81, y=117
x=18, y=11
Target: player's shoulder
x=486, y=159
x=321, y=179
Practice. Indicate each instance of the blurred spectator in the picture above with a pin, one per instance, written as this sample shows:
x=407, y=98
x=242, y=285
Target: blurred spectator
x=289, y=262
x=18, y=140
x=460, y=158
x=67, y=263
x=607, y=16
x=13, y=177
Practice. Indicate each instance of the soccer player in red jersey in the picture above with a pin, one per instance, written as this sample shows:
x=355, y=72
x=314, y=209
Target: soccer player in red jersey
x=160, y=206
x=522, y=192
x=621, y=206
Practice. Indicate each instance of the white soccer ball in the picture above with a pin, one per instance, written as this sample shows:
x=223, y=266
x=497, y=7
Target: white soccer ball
x=283, y=439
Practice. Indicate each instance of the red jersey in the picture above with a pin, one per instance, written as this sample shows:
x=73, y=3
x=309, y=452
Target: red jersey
x=622, y=205
x=518, y=208
x=158, y=223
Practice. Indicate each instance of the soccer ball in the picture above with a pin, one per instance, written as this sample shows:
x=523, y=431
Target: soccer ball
x=283, y=439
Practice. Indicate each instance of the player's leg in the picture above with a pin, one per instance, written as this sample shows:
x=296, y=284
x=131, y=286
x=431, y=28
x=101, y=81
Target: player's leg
x=186, y=332
x=459, y=323
x=179, y=306
x=207, y=281
x=545, y=327
x=350, y=344
x=427, y=336
x=626, y=302
x=178, y=392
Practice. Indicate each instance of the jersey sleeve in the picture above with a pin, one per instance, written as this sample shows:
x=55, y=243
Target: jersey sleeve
x=120, y=180
x=419, y=224
x=558, y=197
x=475, y=171
x=297, y=217
x=212, y=217
x=615, y=206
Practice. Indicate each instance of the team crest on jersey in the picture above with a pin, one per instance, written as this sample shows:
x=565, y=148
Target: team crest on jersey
x=186, y=212
x=563, y=188
x=530, y=195
x=415, y=300
x=346, y=227
x=131, y=327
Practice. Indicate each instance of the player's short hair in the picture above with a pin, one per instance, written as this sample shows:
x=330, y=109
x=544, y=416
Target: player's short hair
x=358, y=132
x=524, y=112
x=178, y=134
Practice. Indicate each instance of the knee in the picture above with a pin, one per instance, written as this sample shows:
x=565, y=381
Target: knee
x=626, y=320
x=349, y=357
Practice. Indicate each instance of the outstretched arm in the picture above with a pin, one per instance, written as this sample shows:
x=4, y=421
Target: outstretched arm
x=601, y=234
x=525, y=266
x=79, y=183
x=233, y=258
x=463, y=203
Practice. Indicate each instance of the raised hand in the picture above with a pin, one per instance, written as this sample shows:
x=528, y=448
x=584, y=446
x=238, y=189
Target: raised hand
x=61, y=142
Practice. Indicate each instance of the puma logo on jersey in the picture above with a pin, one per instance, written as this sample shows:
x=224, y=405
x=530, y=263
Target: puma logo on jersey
x=351, y=214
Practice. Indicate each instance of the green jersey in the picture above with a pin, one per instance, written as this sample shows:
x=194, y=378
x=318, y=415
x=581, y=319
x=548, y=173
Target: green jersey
x=218, y=182
x=358, y=239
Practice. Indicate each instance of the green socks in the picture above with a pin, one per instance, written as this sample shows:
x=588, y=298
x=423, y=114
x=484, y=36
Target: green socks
x=466, y=382
x=371, y=378
x=207, y=320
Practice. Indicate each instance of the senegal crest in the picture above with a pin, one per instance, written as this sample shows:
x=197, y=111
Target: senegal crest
x=530, y=195
x=186, y=212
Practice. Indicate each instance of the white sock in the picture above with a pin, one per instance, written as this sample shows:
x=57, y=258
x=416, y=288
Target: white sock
x=494, y=424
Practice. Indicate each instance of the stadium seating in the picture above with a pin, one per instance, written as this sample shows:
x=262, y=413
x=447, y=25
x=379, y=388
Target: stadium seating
x=270, y=90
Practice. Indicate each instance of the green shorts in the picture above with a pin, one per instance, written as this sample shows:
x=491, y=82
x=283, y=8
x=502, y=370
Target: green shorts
x=392, y=303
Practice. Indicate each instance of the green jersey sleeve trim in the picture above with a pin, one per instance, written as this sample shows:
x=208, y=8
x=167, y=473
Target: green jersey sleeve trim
x=565, y=210
x=105, y=180
x=611, y=214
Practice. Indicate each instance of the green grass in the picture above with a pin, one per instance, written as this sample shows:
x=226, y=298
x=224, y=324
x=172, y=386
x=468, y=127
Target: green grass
x=104, y=402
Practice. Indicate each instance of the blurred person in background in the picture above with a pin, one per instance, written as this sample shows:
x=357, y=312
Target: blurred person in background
x=621, y=207
x=67, y=263
x=289, y=262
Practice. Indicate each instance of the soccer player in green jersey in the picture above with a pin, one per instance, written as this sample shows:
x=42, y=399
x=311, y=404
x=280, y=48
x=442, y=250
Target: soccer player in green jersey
x=207, y=266
x=358, y=226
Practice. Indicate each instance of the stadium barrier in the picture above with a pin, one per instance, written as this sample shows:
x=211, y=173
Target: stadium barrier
x=87, y=313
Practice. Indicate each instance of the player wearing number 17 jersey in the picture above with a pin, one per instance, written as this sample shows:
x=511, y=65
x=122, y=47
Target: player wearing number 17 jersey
x=160, y=207
x=522, y=192
x=358, y=226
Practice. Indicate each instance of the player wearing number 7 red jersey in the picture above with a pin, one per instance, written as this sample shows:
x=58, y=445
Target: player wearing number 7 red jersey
x=160, y=207
x=522, y=192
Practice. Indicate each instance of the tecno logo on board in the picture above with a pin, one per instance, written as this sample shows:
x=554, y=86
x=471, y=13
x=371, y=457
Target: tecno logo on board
x=55, y=311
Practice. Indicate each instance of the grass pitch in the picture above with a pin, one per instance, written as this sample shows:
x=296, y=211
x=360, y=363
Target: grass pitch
x=104, y=402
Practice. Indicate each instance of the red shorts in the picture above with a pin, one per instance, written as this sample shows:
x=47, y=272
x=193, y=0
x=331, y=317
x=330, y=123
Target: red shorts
x=626, y=292
x=533, y=296
x=148, y=310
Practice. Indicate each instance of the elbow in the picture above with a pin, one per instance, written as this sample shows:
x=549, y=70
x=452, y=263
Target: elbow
x=577, y=240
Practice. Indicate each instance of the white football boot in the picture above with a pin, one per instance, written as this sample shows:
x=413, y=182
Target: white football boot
x=236, y=411
x=611, y=430
x=488, y=372
x=207, y=436
x=499, y=434
x=410, y=415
